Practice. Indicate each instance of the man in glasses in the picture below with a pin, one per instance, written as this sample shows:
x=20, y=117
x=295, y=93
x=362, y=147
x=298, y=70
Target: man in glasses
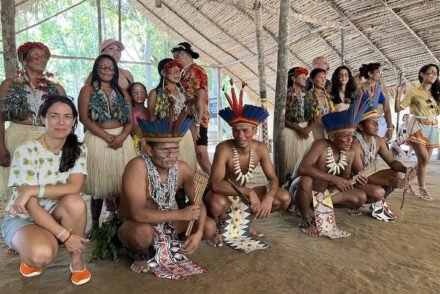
x=148, y=207
x=367, y=145
x=195, y=82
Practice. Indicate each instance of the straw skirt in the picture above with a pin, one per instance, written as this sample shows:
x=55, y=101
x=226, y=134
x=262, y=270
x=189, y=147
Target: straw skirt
x=187, y=150
x=295, y=147
x=106, y=165
x=15, y=135
x=319, y=133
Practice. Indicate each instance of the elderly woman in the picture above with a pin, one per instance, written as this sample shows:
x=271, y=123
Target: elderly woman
x=343, y=88
x=105, y=111
x=299, y=117
x=21, y=98
x=322, y=99
x=377, y=93
x=114, y=48
x=47, y=176
x=422, y=131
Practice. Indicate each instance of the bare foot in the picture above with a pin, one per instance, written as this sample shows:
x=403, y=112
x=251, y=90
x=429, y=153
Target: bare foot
x=310, y=231
x=254, y=232
x=305, y=222
x=12, y=251
x=216, y=241
x=354, y=211
x=139, y=266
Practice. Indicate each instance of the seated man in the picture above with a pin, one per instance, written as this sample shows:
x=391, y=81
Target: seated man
x=233, y=165
x=326, y=166
x=147, y=206
x=367, y=145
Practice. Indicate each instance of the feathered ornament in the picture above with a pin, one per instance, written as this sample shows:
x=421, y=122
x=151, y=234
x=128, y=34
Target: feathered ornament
x=347, y=119
x=165, y=130
x=238, y=113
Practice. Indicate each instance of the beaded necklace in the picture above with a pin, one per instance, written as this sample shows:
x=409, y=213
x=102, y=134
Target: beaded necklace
x=162, y=194
x=369, y=153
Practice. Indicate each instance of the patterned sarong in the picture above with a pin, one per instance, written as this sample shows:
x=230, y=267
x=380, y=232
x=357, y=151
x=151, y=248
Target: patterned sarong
x=325, y=216
x=236, y=230
x=423, y=130
x=168, y=262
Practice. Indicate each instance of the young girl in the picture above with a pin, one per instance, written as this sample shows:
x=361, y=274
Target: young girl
x=138, y=94
x=47, y=176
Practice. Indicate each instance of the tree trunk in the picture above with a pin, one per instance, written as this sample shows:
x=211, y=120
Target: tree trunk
x=281, y=92
x=261, y=69
x=8, y=34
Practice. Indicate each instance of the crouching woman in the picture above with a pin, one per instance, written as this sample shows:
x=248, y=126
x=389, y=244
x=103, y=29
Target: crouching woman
x=46, y=209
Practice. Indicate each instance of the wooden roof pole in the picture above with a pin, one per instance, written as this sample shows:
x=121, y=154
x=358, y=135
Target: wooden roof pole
x=261, y=68
x=8, y=35
x=281, y=92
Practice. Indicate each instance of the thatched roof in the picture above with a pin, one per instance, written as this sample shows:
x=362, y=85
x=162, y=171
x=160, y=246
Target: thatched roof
x=403, y=35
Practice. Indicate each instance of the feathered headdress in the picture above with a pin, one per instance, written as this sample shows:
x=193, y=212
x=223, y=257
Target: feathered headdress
x=334, y=122
x=372, y=102
x=165, y=130
x=236, y=113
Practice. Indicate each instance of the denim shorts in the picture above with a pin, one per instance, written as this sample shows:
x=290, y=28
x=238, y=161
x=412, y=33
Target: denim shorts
x=11, y=225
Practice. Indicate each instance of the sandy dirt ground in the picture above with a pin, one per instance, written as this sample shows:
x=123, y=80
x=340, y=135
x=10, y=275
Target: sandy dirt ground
x=398, y=257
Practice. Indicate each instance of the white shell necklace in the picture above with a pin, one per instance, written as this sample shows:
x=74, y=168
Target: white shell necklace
x=243, y=178
x=335, y=167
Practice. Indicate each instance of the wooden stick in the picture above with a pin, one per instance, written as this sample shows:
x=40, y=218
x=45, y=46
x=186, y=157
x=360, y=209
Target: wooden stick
x=200, y=182
x=244, y=198
x=408, y=171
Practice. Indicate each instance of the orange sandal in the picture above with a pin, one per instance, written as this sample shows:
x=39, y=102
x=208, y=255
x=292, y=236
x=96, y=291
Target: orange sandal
x=80, y=277
x=28, y=271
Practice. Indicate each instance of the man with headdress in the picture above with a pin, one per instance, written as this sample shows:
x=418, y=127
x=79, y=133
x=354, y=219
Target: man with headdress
x=326, y=167
x=367, y=145
x=195, y=82
x=234, y=163
x=148, y=208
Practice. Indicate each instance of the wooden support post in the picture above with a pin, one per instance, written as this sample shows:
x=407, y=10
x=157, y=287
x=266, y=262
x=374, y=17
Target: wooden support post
x=219, y=105
x=281, y=92
x=98, y=8
x=261, y=67
x=8, y=35
x=119, y=22
x=398, y=113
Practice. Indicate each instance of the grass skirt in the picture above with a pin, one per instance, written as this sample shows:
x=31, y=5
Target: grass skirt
x=106, y=165
x=15, y=135
x=187, y=150
x=295, y=147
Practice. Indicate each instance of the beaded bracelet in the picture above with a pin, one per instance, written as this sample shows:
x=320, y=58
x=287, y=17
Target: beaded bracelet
x=68, y=237
x=41, y=191
x=60, y=234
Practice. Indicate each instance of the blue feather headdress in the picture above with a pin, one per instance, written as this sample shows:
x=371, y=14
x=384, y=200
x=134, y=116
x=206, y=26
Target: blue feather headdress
x=165, y=130
x=236, y=113
x=346, y=120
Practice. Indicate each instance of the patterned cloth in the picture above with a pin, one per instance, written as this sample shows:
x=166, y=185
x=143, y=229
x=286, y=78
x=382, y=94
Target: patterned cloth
x=33, y=164
x=423, y=130
x=195, y=78
x=168, y=262
x=103, y=108
x=325, y=216
x=299, y=110
x=236, y=230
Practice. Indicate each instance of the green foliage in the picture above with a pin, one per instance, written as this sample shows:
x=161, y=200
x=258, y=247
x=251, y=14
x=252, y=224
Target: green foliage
x=106, y=241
